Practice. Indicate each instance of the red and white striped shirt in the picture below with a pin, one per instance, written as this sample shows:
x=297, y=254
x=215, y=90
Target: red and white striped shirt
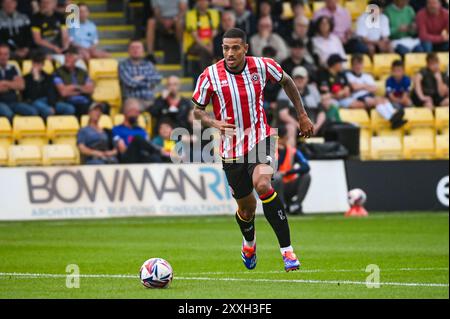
x=239, y=96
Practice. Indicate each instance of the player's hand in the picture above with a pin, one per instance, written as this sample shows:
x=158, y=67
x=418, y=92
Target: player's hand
x=306, y=126
x=225, y=128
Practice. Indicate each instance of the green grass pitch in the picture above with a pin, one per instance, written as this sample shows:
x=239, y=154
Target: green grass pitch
x=411, y=250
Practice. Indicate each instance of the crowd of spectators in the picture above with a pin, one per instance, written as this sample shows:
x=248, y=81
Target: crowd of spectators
x=314, y=51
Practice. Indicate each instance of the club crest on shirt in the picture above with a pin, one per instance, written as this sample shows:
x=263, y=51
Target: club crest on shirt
x=255, y=77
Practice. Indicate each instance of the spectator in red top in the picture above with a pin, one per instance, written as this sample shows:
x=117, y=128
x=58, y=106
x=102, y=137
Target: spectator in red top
x=432, y=23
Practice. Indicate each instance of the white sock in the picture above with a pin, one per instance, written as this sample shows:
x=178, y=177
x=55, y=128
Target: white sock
x=285, y=249
x=386, y=110
x=250, y=243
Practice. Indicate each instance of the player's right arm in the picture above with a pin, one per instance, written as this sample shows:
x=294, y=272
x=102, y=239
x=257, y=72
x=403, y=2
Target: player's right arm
x=201, y=97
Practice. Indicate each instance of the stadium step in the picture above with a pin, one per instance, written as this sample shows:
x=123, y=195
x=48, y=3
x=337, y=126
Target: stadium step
x=114, y=45
x=108, y=18
x=159, y=56
x=115, y=31
x=170, y=69
x=97, y=6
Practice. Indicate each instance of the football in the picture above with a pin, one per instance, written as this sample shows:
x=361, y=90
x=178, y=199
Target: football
x=156, y=273
x=356, y=197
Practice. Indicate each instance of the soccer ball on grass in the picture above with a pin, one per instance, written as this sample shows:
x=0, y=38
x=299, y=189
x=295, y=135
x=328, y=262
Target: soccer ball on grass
x=156, y=273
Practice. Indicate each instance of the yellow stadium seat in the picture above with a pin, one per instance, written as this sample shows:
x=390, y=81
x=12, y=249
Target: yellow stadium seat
x=418, y=117
x=150, y=123
x=390, y=132
x=307, y=10
x=414, y=62
x=443, y=60
x=27, y=65
x=30, y=130
x=103, y=68
x=356, y=116
x=16, y=65
x=108, y=90
x=67, y=140
x=441, y=115
x=422, y=131
x=442, y=146
x=381, y=88
x=367, y=63
x=355, y=7
x=364, y=144
x=60, y=155
x=104, y=122
x=24, y=155
x=418, y=147
x=118, y=119
x=444, y=131
x=6, y=137
x=62, y=126
x=382, y=63
x=3, y=156
x=317, y=5
x=386, y=148
x=378, y=122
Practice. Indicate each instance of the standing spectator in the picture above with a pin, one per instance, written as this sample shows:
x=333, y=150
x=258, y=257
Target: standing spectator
x=312, y=100
x=430, y=89
x=10, y=82
x=403, y=27
x=167, y=20
x=266, y=37
x=202, y=24
x=398, y=86
x=172, y=105
x=432, y=24
x=326, y=43
x=228, y=21
x=131, y=141
x=292, y=179
x=95, y=143
x=297, y=58
x=73, y=83
x=138, y=75
x=49, y=30
x=85, y=38
x=300, y=32
x=40, y=91
x=15, y=30
x=342, y=22
x=375, y=38
x=245, y=20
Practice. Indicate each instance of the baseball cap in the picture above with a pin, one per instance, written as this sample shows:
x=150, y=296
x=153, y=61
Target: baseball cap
x=335, y=58
x=299, y=71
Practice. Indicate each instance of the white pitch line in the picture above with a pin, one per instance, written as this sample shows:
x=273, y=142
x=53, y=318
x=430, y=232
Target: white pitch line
x=303, y=281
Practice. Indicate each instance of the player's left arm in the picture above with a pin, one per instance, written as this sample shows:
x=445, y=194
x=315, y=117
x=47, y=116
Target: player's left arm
x=306, y=126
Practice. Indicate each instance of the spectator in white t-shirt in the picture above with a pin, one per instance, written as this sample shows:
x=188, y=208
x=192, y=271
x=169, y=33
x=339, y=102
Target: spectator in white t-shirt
x=326, y=43
x=363, y=91
x=373, y=29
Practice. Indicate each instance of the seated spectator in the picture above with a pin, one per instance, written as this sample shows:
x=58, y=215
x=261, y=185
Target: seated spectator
x=432, y=24
x=326, y=43
x=10, y=83
x=163, y=137
x=245, y=20
x=95, y=143
x=363, y=92
x=267, y=38
x=228, y=21
x=288, y=22
x=333, y=81
x=131, y=141
x=342, y=26
x=138, y=75
x=202, y=23
x=15, y=30
x=292, y=180
x=40, y=91
x=265, y=10
x=297, y=58
x=375, y=38
x=167, y=20
x=398, y=86
x=402, y=27
x=311, y=99
x=49, y=29
x=85, y=37
x=430, y=89
x=73, y=84
x=300, y=32
x=172, y=105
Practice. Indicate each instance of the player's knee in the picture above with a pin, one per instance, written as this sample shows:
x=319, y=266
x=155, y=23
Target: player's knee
x=247, y=213
x=262, y=186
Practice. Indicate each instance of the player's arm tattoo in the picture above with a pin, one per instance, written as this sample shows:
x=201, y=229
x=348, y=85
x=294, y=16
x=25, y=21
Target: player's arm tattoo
x=203, y=116
x=292, y=92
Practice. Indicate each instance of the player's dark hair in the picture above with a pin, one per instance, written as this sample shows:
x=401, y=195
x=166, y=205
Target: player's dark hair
x=397, y=63
x=235, y=33
x=282, y=131
x=357, y=58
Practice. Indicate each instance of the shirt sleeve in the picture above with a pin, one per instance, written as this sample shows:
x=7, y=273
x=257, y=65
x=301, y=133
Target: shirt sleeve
x=203, y=90
x=274, y=72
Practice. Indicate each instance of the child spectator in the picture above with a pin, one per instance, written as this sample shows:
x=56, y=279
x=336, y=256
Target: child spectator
x=163, y=138
x=398, y=85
